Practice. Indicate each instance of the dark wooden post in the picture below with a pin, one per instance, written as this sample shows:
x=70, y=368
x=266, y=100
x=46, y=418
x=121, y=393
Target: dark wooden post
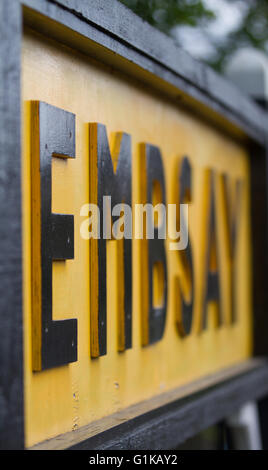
x=11, y=373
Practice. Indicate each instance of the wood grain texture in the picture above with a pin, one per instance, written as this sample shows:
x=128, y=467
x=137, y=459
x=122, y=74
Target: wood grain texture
x=177, y=75
x=54, y=343
x=93, y=249
x=168, y=426
x=113, y=179
x=11, y=387
x=123, y=379
x=36, y=240
x=123, y=424
x=111, y=32
x=211, y=98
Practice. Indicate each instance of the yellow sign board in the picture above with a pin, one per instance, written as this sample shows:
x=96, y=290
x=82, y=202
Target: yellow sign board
x=109, y=323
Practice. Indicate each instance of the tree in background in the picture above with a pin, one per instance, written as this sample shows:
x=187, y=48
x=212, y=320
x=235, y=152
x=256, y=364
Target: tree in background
x=252, y=31
x=171, y=16
x=166, y=14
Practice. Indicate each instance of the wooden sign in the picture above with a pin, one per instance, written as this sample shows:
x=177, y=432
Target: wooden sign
x=118, y=326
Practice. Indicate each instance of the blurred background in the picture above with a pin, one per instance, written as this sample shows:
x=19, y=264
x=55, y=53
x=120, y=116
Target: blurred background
x=210, y=30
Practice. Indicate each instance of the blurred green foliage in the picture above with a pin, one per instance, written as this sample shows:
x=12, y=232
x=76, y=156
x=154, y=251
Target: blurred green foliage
x=253, y=31
x=166, y=14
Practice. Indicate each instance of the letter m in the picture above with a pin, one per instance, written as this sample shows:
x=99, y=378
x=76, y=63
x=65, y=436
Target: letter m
x=110, y=175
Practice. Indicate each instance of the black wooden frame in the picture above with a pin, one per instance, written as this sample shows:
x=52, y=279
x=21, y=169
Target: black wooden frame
x=11, y=367
x=170, y=425
x=113, y=34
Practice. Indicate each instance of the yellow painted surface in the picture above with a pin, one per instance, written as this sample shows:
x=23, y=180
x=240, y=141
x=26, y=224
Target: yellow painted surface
x=65, y=398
